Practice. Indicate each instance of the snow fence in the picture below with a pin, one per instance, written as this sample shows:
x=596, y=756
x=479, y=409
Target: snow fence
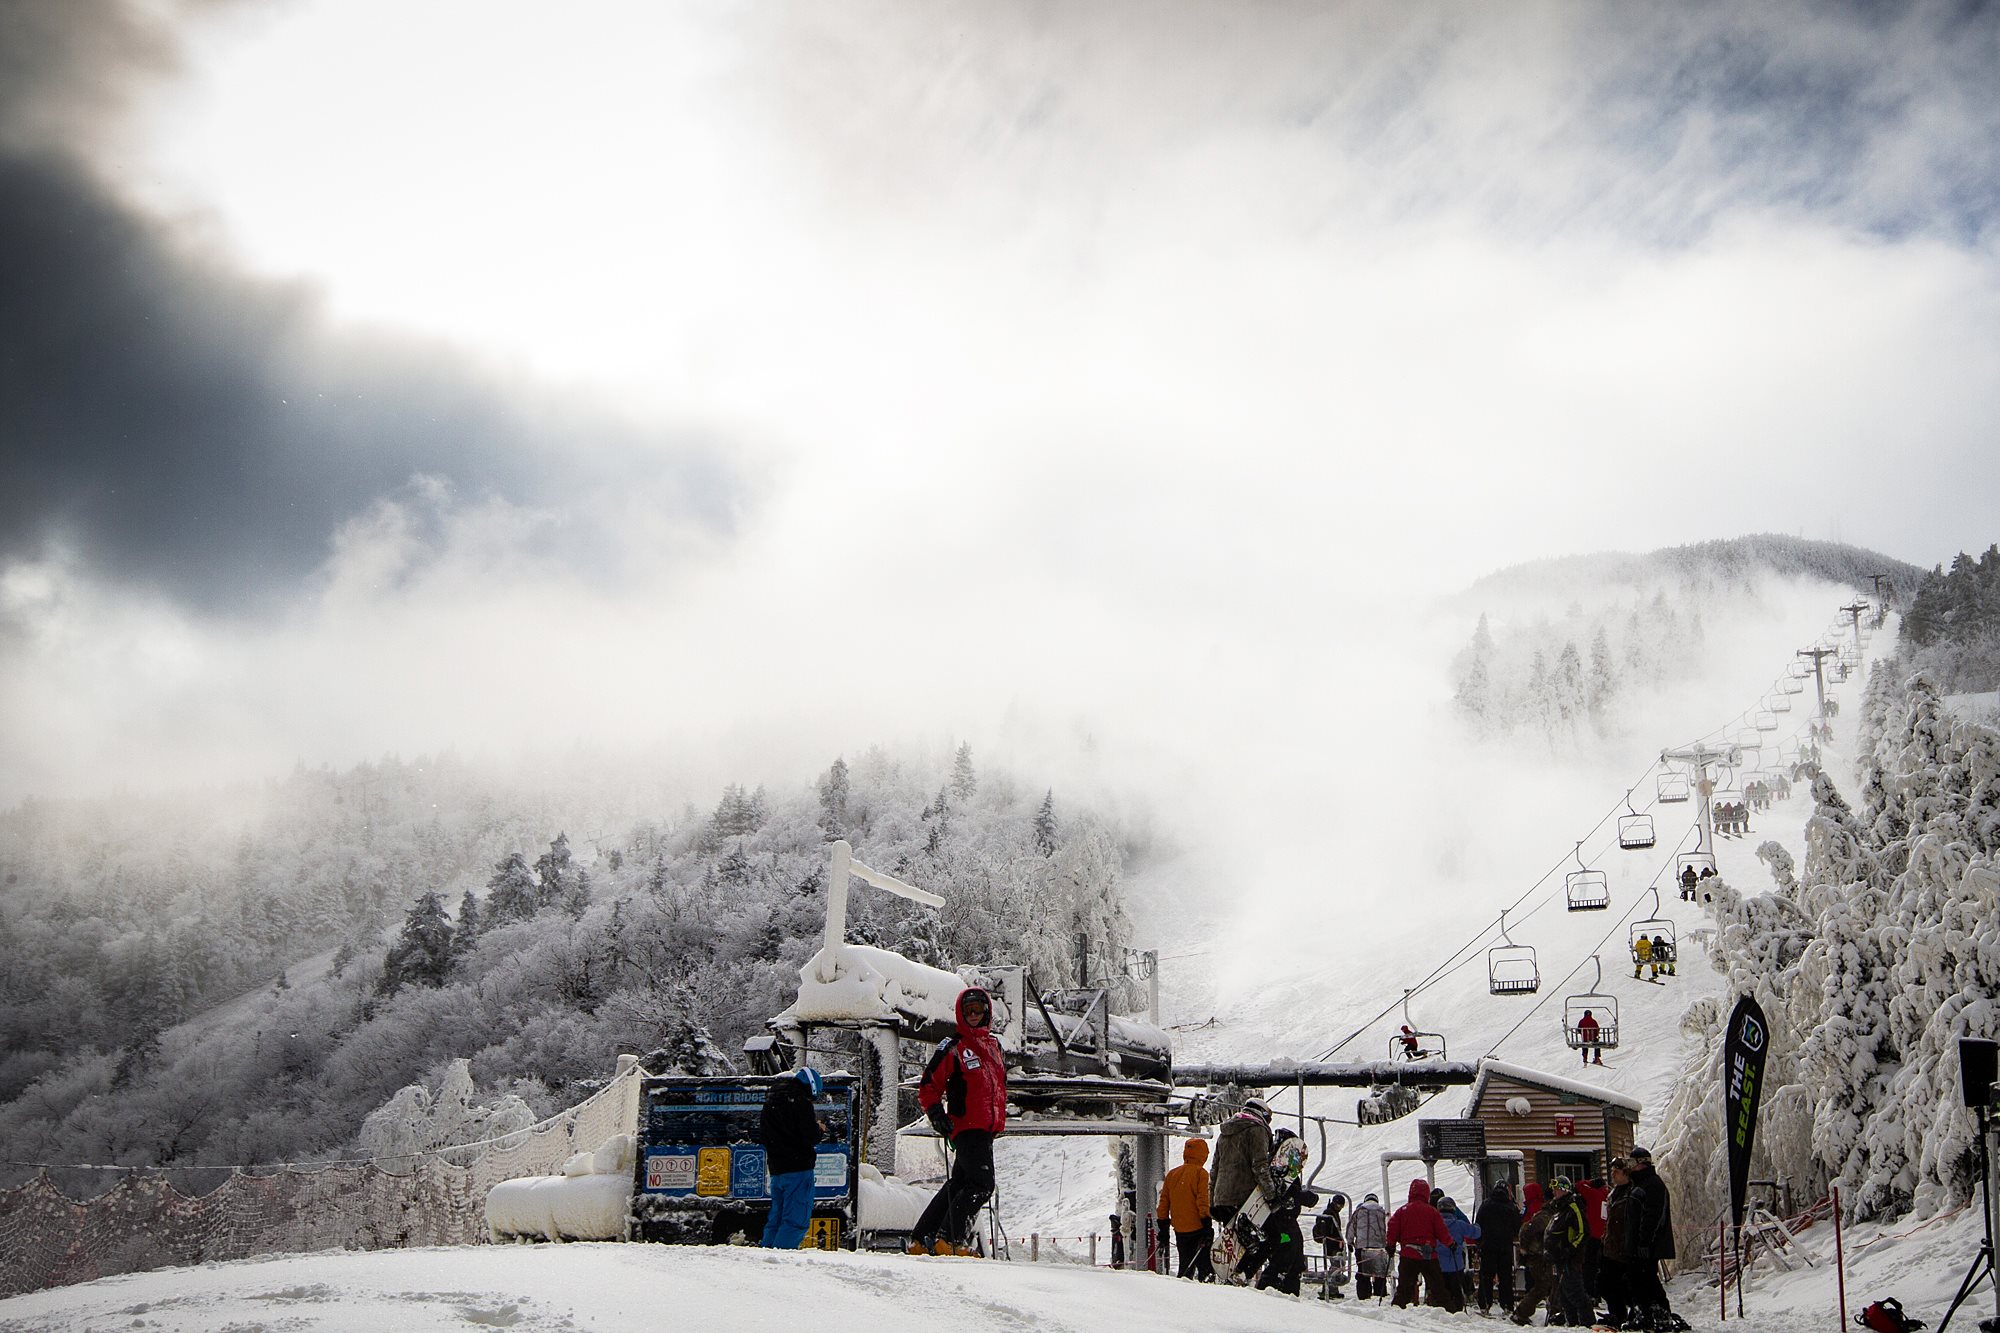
x=48, y=1239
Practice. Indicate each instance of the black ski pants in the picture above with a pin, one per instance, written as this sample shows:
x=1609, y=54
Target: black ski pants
x=1197, y=1264
x=949, y=1214
x=1496, y=1268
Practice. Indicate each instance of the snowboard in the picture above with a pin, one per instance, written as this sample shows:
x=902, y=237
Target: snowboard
x=1245, y=1231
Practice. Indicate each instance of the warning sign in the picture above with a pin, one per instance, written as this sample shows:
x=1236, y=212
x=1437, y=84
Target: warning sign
x=823, y=1234
x=712, y=1173
x=670, y=1170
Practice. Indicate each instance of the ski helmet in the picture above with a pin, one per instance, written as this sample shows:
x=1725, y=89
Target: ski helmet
x=809, y=1076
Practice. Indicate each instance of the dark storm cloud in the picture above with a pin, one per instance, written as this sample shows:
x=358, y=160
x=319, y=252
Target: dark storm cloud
x=178, y=425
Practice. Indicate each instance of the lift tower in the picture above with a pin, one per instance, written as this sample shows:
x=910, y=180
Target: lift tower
x=1698, y=757
x=1854, y=610
x=1819, y=656
x=1885, y=591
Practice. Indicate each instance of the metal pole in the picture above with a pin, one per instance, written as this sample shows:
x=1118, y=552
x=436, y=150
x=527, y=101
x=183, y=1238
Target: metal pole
x=1153, y=986
x=1722, y=1266
x=1839, y=1258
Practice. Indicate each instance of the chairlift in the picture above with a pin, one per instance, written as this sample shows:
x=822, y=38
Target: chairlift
x=1702, y=862
x=1672, y=788
x=1798, y=671
x=1600, y=1008
x=1653, y=928
x=1792, y=685
x=1511, y=967
x=1635, y=831
x=1778, y=701
x=1587, y=890
x=1764, y=721
x=1412, y=1044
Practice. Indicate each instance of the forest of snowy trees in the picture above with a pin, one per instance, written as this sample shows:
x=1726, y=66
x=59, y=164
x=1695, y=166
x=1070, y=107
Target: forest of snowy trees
x=1630, y=623
x=1870, y=960
x=180, y=991
x=1953, y=623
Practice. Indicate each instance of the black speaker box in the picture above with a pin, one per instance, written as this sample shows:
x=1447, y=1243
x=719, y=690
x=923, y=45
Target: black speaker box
x=1978, y=1068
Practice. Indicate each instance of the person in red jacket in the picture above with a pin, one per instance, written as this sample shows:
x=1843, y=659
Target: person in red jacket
x=1592, y=1194
x=964, y=1095
x=1416, y=1230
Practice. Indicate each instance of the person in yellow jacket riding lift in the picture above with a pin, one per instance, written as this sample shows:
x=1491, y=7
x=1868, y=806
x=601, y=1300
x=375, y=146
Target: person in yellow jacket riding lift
x=1642, y=956
x=1184, y=1206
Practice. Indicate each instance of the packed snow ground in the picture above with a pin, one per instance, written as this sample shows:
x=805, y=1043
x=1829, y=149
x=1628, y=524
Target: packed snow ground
x=1242, y=983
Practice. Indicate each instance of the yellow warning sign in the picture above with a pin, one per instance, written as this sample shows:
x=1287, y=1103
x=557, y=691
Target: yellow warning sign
x=711, y=1173
x=823, y=1234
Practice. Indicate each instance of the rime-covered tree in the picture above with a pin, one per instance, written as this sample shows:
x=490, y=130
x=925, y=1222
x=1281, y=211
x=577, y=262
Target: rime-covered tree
x=964, y=781
x=833, y=791
x=422, y=953
x=511, y=892
x=1045, y=824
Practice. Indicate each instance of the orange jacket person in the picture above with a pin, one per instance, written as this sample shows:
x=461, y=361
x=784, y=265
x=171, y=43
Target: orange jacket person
x=1184, y=1205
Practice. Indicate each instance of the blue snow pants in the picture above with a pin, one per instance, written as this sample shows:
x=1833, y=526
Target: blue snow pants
x=791, y=1210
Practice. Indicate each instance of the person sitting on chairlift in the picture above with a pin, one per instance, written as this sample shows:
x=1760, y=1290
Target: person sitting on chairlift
x=1586, y=1036
x=1412, y=1047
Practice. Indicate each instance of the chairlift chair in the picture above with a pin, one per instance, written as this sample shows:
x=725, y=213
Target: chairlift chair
x=1585, y=889
x=1672, y=788
x=1511, y=967
x=1778, y=701
x=1428, y=1045
x=1701, y=861
x=1635, y=830
x=1655, y=927
x=1764, y=721
x=1603, y=1011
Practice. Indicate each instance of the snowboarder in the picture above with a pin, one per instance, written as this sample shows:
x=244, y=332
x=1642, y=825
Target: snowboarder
x=1499, y=1223
x=1586, y=1037
x=1413, y=1047
x=1242, y=1167
x=1642, y=956
x=1688, y=881
x=1663, y=956
x=791, y=1135
x=1333, y=1248
x=1280, y=1240
x=964, y=1094
x=1417, y=1231
x=1368, y=1232
x=1184, y=1206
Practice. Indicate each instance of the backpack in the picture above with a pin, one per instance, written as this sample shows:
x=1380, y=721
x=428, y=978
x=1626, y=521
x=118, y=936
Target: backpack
x=1886, y=1316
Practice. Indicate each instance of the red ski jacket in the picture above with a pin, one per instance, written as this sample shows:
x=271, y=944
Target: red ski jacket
x=1417, y=1227
x=968, y=1075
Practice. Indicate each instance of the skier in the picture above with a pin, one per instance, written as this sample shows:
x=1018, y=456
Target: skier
x=964, y=1094
x=1333, y=1248
x=1412, y=1047
x=1688, y=882
x=1642, y=956
x=1418, y=1231
x=1586, y=1038
x=1368, y=1232
x=1499, y=1223
x=1451, y=1258
x=791, y=1135
x=1184, y=1206
x=1663, y=955
x=1651, y=1240
x=1242, y=1165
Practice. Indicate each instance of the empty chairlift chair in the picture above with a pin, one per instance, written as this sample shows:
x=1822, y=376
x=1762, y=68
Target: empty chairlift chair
x=1672, y=788
x=1511, y=968
x=1778, y=701
x=1590, y=1018
x=1764, y=721
x=1585, y=889
x=1635, y=830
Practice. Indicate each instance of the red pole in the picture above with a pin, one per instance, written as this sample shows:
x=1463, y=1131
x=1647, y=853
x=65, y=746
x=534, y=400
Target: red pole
x=1839, y=1258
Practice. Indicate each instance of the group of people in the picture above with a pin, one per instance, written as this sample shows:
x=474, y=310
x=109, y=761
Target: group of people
x=1730, y=817
x=1655, y=952
x=1690, y=881
x=1243, y=1226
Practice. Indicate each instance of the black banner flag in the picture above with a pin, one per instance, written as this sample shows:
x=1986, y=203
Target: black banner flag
x=1743, y=1051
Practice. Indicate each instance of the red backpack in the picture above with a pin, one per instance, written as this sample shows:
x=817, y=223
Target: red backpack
x=1886, y=1316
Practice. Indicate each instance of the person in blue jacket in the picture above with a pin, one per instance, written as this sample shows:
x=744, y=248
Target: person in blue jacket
x=1451, y=1258
x=791, y=1135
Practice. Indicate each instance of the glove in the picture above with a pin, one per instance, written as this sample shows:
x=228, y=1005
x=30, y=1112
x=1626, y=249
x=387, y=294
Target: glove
x=940, y=1121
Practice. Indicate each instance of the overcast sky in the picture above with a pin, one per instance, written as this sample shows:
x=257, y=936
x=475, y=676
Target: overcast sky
x=386, y=374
